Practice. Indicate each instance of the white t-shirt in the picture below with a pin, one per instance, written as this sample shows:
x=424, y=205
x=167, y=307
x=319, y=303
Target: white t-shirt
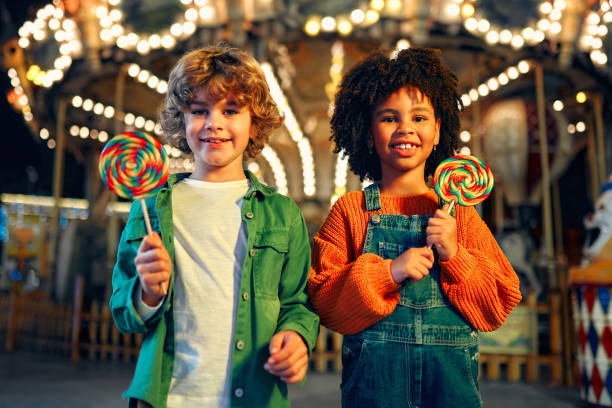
x=210, y=242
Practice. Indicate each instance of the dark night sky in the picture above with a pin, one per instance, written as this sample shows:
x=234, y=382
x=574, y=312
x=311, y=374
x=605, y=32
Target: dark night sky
x=27, y=167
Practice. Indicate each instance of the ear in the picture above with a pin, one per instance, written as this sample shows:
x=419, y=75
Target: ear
x=437, y=138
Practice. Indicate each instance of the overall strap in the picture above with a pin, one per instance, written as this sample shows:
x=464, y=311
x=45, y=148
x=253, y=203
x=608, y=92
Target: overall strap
x=372, y=197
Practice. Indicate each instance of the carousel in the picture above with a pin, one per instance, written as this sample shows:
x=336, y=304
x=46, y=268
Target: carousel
x=536, y=88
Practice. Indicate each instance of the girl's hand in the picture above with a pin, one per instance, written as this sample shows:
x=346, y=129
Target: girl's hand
x=154, y=268
x=442, y=232
x=413, y=264
x=288, y=356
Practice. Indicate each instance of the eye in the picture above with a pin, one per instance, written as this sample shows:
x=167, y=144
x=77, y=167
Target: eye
x=388, y=119
x=198, y=112
x=420, y=118
x=231, y=111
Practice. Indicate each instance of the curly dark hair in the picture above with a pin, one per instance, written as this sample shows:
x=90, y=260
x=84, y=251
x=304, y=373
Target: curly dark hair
x=371, y=82
x=223, y=70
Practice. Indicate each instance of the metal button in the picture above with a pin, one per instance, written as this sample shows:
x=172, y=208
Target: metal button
x=376, y=219
x=252, y=252
x=476, y=356
x=240, y=344
x=249, y=215
x=239, y=392
x=245, y=296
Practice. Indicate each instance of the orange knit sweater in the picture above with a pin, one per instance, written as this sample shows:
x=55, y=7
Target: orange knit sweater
x=351, y=291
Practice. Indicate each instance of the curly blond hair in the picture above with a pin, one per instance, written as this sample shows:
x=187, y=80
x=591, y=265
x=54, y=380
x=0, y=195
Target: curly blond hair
x=223, y=70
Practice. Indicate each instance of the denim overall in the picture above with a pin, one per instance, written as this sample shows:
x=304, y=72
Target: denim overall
x=424, y=354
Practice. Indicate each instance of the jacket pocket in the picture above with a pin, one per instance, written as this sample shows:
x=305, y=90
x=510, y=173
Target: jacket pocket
x=135, y=231
x=270, y=253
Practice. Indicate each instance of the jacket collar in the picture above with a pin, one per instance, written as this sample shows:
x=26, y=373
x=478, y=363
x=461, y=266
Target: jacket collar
x=255, y=185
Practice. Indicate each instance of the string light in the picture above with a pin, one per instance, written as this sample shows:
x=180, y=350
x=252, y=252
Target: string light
x=196, y=13
x=361, y=17
x=278, y=170
x=110, y=112
x=293, y=127
x=495, y=83
x=64, y=33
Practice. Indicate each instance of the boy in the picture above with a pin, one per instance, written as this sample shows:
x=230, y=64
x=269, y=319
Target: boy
x=219, y=290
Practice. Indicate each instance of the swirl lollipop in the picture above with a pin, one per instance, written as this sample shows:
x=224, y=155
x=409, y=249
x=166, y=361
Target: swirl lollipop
x=464, y=180
x=134, y=165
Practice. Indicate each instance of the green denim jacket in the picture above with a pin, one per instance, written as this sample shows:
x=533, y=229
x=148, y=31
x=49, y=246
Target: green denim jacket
x=272, y=296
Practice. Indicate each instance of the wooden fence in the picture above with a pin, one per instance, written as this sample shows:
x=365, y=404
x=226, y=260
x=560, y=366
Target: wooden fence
x=33, y=322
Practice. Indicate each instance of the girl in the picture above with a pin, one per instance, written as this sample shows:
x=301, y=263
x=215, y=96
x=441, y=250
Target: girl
x=409, y=313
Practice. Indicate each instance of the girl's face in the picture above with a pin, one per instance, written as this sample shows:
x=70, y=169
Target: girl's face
x=217, y=132
x=405, y=131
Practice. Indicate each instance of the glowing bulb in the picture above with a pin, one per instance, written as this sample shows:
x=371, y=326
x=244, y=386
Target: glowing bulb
x=505, y=36
x=143, y=76
x=328, y=23
x=471, y=24
x=357, y=16
x=345, y=27
x=484, y=25
x=513, y=73
x=77, y=101
x=467, y=10
x=312, y=27
x=492, y=37
x=546, y=7
x=483, y=90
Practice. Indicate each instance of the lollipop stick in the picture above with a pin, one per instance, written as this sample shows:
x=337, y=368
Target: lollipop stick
x=149, y=231
x=450, y=207
x=448, y=211
x=146, y=216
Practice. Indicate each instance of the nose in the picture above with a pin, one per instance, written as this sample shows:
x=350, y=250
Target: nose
x=213, y=121
x=404, y=127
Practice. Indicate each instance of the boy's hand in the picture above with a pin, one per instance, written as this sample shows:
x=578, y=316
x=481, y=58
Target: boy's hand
x=413, y=264
x=442, y=232
x=154, y=268
x=288, y=356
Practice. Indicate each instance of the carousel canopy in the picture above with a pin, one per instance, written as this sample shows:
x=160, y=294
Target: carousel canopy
x=90, y=69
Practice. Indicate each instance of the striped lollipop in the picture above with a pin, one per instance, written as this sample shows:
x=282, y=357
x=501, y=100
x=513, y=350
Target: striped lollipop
x=463, y=179
x=134, y=165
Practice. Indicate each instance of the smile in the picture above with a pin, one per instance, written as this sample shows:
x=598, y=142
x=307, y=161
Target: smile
x=404, y=146
x=214, y=140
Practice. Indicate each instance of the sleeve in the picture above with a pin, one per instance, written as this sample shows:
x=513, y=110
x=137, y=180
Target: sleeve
x=295, y=311
x=349, y=293
x=145, y=311
x=125, y=278
x=479, y=281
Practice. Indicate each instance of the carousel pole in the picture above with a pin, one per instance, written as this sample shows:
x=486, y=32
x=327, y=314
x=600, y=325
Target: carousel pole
x=599, y=133
x=112, y=231
x=557, y=314
x=546, y=202
x=592, y=162
x=58, y=176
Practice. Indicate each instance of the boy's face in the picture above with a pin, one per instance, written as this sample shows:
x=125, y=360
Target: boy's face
x=218, y=133
x=405, y=131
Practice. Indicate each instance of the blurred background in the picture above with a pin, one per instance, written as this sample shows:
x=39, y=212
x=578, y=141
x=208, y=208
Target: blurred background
x=535, y=82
